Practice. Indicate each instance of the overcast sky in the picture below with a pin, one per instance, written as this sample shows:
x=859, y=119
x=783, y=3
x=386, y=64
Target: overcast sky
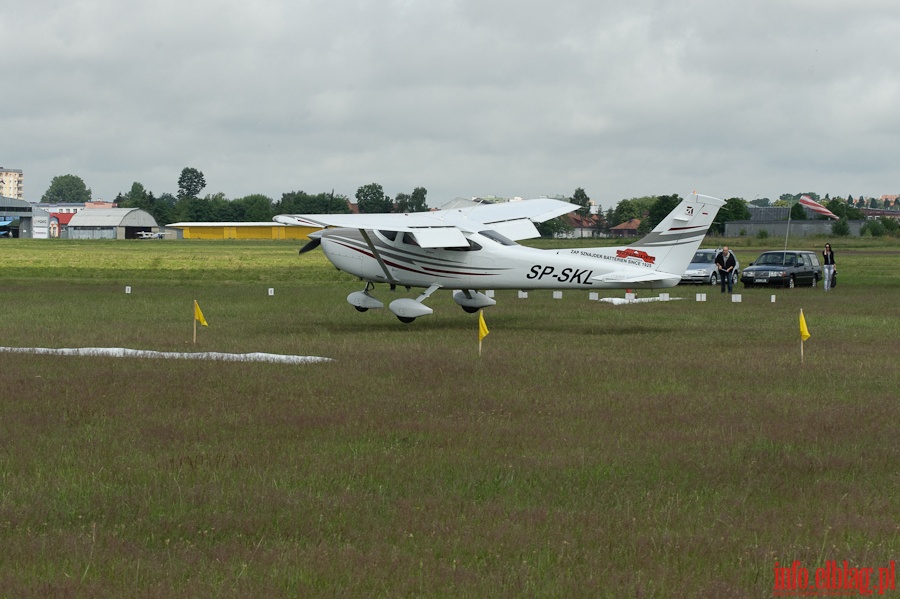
x=462, y=97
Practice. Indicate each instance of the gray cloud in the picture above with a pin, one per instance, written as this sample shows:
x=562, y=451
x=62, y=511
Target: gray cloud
x=462, y=97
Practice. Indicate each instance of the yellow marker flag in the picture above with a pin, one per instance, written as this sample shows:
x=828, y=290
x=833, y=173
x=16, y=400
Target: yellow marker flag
x=804, y=332
x=198, y=315
x=482, y=326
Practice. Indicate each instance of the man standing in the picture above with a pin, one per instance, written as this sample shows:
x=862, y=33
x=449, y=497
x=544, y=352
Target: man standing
x=726, y=264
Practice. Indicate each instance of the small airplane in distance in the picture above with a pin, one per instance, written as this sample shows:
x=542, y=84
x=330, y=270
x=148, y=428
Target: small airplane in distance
x=152, y=234
x=472, y=248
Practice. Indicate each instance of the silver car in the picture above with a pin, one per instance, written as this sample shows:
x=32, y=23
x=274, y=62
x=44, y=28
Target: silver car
x=702, y=269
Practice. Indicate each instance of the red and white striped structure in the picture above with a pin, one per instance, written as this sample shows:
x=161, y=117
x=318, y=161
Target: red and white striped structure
x=817, y=207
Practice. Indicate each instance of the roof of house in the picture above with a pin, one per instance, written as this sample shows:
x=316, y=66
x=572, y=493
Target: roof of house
x=583, y=222
x=63, y=217
x=634, y=223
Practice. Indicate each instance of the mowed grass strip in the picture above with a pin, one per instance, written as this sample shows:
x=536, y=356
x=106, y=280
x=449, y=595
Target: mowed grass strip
x=653, y=450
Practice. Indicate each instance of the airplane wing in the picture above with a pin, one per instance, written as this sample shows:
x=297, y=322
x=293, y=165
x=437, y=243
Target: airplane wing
x=444, y=228
x=430, y=232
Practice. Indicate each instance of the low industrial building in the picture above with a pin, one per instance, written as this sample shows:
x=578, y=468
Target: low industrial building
x=33, y=223
x=236, y=230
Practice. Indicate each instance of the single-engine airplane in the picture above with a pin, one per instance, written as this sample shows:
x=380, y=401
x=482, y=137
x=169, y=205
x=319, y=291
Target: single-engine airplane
x=472, y=248
x=152, y=234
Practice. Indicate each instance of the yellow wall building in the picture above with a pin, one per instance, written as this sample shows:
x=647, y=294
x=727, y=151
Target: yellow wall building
x=264, y=230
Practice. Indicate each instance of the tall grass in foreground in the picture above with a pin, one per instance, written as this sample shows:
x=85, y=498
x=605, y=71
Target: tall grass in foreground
x=651, y=450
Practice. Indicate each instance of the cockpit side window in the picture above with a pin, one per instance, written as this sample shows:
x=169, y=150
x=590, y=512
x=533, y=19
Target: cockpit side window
x=472, y=247
x=410, y=239
x=392, y=235
x=495, y=236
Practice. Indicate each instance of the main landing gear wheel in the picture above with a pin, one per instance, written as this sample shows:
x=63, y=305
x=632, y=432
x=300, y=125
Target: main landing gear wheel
x=405, y=319
x=470, y=309
x=360, y=308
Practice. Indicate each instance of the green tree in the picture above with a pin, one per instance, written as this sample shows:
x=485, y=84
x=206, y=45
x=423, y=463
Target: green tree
x=190, y=183
x=582, y=199
x=221, y=210
x=608, y=219
x=890, y=225
x=138, y=197
x=414, y=202
x=625, y=210
x=734, y=209
x=875, y=228
x=658, y=211
x=837, y=207
x=761, y=202
x=371, y=199
x=135, y=198
x=840, y=228
x=163, y=208
x=554, y=226
x=300, y=202
x=67, y=188
x=253, y=208
x=798, y=212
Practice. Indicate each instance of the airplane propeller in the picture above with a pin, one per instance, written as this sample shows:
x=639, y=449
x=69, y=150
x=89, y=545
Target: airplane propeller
x=313, y=244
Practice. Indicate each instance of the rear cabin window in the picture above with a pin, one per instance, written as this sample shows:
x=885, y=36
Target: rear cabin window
x=472, y=247
x=498, y=237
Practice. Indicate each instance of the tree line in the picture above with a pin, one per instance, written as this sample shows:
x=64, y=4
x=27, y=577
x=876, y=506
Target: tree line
x=188, y=206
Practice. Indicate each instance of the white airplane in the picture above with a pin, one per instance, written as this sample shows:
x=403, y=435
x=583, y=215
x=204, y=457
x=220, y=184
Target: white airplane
x=467, y=249
x=152, y=235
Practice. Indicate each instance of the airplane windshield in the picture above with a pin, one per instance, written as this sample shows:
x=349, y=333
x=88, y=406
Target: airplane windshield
x=495, y=236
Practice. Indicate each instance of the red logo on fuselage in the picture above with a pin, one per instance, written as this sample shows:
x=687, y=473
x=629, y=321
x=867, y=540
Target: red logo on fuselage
x=630, y=253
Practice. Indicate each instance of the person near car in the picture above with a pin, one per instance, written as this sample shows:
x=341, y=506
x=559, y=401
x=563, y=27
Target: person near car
x=828, y=261
x=726, y=263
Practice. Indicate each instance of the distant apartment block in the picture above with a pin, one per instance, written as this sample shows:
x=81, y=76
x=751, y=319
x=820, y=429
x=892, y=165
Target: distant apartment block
x=12, y=183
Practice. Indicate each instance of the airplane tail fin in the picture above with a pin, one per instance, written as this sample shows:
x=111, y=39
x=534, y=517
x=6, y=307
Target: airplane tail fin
x=676, y=238
x=666, y=252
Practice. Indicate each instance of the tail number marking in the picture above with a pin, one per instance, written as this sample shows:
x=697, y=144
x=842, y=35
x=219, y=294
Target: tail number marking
x=566, y=275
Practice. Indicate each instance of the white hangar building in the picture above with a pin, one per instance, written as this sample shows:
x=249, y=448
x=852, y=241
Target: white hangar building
x=111, y=223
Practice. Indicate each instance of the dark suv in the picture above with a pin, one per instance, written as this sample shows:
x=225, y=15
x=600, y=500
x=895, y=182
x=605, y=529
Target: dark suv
x=783, y=269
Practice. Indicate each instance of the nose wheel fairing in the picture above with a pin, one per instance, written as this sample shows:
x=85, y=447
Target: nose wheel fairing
x=362, y=301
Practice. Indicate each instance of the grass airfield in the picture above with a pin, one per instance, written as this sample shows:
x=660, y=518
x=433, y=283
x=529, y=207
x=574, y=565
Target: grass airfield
x=648, y=450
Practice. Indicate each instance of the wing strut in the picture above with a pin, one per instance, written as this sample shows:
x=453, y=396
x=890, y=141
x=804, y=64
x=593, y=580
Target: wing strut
x=375, y=253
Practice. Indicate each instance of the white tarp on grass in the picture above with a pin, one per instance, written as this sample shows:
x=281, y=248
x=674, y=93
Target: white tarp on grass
x=122, y=352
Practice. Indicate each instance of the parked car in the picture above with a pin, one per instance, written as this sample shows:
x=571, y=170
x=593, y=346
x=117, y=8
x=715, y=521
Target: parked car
x=783, y=269
x=702, y=269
